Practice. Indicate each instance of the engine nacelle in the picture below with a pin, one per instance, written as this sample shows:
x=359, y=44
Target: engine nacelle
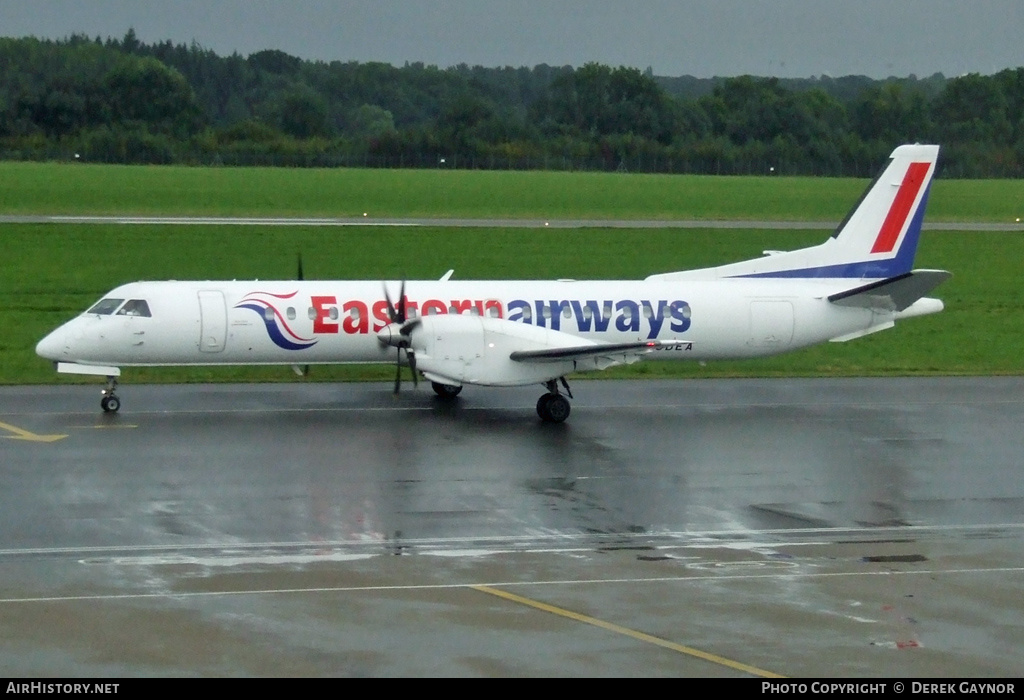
x=476, y=350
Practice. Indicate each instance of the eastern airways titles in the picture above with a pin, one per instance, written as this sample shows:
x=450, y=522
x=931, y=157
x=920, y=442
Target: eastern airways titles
x=590, y=315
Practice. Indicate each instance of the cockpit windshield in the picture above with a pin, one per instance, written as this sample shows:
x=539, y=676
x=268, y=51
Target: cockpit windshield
x=135, y=307
x=132, y=307
x=105, y=307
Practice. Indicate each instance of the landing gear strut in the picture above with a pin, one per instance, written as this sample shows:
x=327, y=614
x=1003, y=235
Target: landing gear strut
x=552, y=407
x=110, y=403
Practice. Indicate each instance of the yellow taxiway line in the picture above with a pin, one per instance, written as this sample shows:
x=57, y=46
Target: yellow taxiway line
x=641, y=636
x=20, y=434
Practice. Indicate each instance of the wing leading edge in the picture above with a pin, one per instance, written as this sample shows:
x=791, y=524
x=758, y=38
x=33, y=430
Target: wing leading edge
x=610, y=351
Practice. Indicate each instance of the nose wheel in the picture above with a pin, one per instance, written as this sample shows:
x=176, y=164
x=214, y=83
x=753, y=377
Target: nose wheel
x=110, y=403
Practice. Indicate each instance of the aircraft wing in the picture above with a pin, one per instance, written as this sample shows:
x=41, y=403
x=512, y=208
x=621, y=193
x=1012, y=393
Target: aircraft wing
x=892, y=294
x=595, y=350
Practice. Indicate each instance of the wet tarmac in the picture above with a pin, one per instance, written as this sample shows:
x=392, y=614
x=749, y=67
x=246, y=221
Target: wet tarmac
x=798, y=527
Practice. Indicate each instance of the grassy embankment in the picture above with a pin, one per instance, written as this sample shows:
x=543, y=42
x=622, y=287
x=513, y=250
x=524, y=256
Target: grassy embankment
x=52, y=272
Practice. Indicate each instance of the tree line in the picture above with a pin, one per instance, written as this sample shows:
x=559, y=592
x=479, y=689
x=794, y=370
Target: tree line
x=124, y=101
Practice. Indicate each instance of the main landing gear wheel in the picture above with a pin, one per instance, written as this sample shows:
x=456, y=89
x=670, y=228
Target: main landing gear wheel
x=110, y=403
x=552, y=407
x=445, y=391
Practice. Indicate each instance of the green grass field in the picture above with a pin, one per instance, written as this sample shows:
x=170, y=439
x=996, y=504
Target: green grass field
x=52, y=272
x=69, y=188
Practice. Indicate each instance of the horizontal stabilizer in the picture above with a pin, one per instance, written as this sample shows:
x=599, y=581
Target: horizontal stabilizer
x=595, y=350
x=892, y=294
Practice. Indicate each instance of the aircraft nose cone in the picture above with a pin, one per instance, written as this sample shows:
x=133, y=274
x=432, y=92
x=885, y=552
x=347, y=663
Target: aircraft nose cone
x=52, y=347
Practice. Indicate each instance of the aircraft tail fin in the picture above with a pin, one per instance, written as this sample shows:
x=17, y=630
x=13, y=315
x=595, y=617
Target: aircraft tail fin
x=877, y=239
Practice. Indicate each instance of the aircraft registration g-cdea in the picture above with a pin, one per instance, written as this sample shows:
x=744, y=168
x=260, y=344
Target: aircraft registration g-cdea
x=512, y=333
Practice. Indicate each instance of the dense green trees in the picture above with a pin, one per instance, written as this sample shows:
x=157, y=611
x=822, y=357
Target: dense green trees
x=126, y=101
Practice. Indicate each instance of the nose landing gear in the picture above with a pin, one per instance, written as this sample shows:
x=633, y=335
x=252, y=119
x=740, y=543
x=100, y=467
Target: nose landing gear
x=110, y=403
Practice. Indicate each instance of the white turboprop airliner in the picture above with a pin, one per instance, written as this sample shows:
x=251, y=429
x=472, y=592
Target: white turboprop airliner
x=511, y=333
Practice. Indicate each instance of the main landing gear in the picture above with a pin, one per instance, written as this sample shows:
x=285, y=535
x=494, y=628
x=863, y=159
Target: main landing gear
x=552, y=407
x=110, y=403
x=445, y=391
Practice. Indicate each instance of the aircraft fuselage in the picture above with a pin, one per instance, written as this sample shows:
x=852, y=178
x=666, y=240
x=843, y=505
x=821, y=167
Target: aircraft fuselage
x=311, y=322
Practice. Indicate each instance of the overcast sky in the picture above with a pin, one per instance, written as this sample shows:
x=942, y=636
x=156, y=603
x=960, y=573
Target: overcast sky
x=705, y=38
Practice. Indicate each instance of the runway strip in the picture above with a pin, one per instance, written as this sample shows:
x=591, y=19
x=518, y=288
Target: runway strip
x=481, y=223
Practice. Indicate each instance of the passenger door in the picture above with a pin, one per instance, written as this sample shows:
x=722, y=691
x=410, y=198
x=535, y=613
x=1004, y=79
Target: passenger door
x=213, y=316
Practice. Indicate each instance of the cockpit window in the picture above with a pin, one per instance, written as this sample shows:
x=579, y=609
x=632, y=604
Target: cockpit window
x=105, y=307
x=135, y=307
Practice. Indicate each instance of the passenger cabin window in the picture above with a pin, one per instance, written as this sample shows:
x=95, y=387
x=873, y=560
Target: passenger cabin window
x=135, y=307
x=105, y=307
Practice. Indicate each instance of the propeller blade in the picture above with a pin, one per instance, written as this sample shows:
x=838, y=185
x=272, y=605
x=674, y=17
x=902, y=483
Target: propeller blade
x=411, y=356
x=401, y=303
x=403, y=341
x=398, y=370
x=300, y=275
x=409, y=326
x=392, y=313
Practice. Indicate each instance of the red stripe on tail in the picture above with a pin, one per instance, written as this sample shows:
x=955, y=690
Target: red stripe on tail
x=900, y=208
